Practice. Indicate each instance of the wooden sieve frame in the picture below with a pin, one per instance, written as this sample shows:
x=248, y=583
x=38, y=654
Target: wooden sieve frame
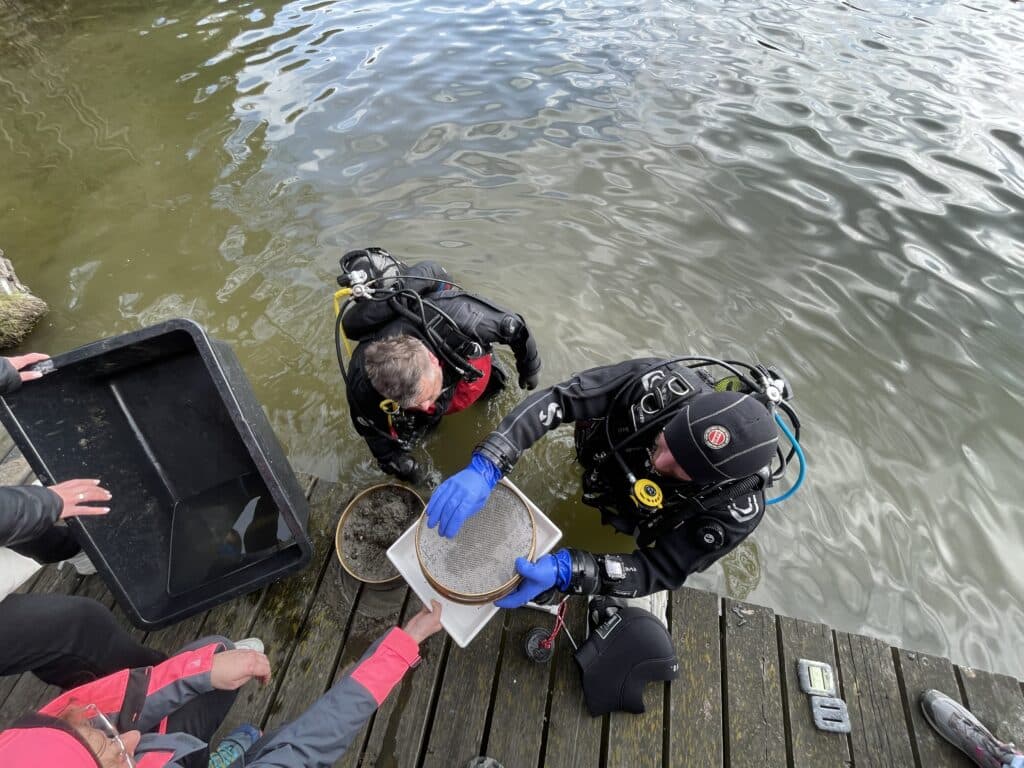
x=494, y=594
x=341, y=525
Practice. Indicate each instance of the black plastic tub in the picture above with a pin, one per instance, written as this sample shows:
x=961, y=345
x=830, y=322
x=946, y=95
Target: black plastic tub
x=205, y=505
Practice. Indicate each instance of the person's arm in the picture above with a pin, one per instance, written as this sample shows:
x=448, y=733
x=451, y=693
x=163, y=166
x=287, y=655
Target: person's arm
x=323, y=733
x=26, y=511
x=11, y=374
x=491, y=324
x=586, y=395
x=666, y=565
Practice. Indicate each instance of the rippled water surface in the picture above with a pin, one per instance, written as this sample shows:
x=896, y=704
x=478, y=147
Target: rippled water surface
x=834, y=187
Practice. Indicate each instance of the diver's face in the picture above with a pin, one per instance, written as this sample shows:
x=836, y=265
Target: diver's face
x=664, y=463
x=430, y=385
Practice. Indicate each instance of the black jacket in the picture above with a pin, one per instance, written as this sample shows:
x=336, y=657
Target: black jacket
x=478, y=319
x=588, y=399
x=25, y=511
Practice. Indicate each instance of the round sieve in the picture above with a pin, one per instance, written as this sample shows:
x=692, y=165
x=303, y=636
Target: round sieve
x=371, y=523
x=478, y=565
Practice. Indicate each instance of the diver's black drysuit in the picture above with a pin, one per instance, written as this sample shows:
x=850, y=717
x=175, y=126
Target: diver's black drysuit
x=481, y=324
x=697, y=524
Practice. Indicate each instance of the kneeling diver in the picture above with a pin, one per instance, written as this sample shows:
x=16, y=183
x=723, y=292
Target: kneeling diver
x=712, y=445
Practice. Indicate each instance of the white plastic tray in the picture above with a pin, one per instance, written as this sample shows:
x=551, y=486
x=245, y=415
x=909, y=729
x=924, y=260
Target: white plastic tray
x=462, y=622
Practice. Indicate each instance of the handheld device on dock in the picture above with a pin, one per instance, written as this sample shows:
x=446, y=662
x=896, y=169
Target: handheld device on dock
x=816, y=678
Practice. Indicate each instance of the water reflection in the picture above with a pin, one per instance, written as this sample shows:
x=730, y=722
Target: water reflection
x=835, y=189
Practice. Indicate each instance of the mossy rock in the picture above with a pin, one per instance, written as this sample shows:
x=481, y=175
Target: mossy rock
x=19, y=309
x=19, y=313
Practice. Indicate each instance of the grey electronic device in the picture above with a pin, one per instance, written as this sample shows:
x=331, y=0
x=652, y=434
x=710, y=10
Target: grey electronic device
x=816, y=678
x=830, y=714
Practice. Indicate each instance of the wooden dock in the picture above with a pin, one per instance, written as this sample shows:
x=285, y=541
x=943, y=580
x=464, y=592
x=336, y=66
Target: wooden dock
x=737, y=702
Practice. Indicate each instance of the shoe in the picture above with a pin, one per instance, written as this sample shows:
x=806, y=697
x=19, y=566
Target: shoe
x=483, y=762
x=964, y=731
x=250, y=644
x=234, y=746
x=81, y=563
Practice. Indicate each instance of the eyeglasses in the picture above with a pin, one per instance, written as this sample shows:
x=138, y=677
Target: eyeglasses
x=100, y=722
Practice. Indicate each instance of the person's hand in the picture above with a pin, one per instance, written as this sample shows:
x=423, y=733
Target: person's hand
x=233, y=669
x=529, y=382
x=549, y=571
x=23, y=361
x=461, y=496
x=78, y=494
x=404, y=467
x=425, y=623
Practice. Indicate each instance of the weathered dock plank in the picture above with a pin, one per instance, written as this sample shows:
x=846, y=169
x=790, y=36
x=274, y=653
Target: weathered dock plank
x=517, y=724
x=695, y=699
x=996, y=700
x=879, y=733
x=755, y=724
x=917, y=673
x=285, y=606
x=573, y=736
x=808, y=746
x=15, y=470
x=376, y=613
x=460, y=716
x=310, y=668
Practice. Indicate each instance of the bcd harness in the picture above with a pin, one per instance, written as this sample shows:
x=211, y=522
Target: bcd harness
x=666, y=390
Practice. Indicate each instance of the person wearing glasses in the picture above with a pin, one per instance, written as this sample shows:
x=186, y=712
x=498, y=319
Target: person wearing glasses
x=164, y=716
x=65, y=640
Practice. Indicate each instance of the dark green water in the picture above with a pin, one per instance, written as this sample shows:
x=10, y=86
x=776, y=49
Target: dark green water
x=837, y=188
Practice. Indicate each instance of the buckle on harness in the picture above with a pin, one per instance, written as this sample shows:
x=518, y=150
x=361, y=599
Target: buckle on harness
x=390, y=407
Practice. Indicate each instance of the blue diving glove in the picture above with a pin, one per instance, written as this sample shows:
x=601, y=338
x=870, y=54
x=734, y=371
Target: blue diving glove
x=549, y=571
x=461, y=496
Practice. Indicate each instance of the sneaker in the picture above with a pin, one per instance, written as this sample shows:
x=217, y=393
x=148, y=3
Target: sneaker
x=483, y=762
x=250, y=644
x=964, y=731
x=81, y=563
x=234, y=746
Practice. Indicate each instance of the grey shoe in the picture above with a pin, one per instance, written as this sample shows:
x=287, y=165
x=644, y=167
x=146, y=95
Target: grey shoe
x=964, y=731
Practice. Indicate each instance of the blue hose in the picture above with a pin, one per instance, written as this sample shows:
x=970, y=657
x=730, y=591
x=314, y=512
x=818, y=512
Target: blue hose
x=799, y=455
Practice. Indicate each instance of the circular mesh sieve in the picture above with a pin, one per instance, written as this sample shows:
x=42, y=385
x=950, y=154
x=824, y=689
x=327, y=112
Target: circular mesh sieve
x=478, y=565
x=371, y=523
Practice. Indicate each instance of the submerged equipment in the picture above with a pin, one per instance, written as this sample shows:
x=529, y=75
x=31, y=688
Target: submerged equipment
x=763, y=383
x=627, y=648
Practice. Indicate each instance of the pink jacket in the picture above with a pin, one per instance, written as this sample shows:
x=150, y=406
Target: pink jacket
x=142, y=699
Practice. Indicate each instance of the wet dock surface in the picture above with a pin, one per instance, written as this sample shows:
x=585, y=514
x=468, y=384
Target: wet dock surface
x=737, y=701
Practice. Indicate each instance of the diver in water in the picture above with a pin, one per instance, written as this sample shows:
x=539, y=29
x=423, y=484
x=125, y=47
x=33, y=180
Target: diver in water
x=424, y=351
x=670, y=455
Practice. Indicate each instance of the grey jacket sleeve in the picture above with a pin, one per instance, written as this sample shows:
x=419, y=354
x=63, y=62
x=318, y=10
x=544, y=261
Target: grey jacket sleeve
x=27, y=511
x=324, y=732
x=10, y=379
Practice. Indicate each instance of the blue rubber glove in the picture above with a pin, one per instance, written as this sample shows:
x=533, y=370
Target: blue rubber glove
x=461, y=496
x=553, y=570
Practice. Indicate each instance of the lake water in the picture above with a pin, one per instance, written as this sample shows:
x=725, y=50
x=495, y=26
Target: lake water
x=836, y=188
